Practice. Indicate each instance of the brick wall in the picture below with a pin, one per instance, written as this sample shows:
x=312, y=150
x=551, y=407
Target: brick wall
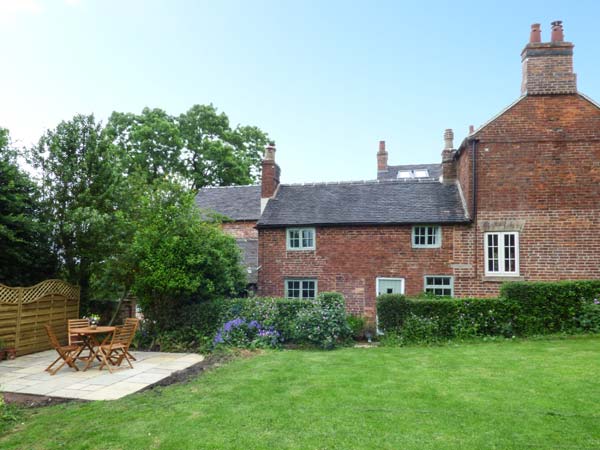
x=349, y=259
x=243, y=229
x=538, y=172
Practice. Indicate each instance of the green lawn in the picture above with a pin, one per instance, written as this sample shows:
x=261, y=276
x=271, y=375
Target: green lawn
x=517, y=395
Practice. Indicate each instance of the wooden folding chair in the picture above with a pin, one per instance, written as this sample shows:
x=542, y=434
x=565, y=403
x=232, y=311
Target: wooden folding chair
x=67, y=353
x=137, y=324
x=75, y=338
x=114, y=353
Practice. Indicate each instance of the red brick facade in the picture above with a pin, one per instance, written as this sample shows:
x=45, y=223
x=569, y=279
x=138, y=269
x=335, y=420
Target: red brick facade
x=241, y=229
x=533, y=170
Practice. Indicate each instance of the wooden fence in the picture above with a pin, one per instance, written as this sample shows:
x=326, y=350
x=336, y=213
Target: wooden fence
x=25, y=310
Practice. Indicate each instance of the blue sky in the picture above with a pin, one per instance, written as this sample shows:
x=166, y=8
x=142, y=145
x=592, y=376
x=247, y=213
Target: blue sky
x=326, y=79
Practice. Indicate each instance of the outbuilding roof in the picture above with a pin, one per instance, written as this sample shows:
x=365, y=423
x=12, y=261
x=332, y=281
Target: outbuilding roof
x=234, y=202
x=365, y=203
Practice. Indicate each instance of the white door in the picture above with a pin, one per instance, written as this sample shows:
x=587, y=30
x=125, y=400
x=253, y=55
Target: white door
x=390, y=286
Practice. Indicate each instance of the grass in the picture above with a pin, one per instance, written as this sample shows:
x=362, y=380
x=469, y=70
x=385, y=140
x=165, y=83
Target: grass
x=541, y=394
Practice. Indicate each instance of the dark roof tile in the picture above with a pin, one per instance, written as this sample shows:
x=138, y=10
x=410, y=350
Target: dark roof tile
x=235, y=202
x=364, y=203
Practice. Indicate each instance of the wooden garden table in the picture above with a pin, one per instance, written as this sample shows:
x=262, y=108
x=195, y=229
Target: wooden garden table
x=90, y=340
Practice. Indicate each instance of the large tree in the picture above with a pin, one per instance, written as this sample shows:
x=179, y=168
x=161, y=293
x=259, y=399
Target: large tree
x=81, y=181
x=26, y=257
x=150, y=141
x=215, y=154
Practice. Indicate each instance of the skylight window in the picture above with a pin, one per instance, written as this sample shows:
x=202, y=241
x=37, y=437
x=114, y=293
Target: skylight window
x=418, y=173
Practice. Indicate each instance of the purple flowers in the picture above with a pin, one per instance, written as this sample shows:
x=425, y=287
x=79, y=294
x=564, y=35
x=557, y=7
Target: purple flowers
x=242, y=333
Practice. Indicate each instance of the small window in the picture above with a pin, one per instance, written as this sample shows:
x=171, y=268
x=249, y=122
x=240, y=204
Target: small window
x=439, y=285
x=301, y=239
x=426, y=236
x=417, y=173
x=297, y=288
x=502, y=253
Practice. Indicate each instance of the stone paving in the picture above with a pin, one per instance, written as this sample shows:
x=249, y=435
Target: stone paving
x=26, y=375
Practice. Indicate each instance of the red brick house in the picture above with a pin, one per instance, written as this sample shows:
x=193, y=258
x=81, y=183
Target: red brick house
x=519, y=199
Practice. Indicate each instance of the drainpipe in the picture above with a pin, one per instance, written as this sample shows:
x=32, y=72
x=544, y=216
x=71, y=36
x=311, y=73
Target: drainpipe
x=474, y=203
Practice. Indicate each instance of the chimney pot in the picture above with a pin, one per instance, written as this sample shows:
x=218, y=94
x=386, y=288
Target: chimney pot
x=557, y=31
x=471, y=129
x=448, y=139
x=536, y=33
x=382, y=146
x=270, y=152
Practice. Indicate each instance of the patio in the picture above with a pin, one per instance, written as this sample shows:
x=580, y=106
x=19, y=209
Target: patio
x=27, y=375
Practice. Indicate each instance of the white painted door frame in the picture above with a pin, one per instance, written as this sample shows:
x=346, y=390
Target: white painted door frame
x=377, y=279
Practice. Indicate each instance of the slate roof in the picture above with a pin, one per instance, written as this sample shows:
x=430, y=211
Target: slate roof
x=365, y=203
x=235, y=202
x=249, y=249
x=435, y=171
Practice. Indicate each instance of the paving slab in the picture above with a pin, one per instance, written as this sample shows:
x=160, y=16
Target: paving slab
x=27, y=375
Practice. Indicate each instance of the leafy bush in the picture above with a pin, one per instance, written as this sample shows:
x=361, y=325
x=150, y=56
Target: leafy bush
x=324, y=323
x=422, y=330
x=242, y=333
x=525, y=309
x=9, y=414
x=589, y=318
x=357, y=325
x=548, y=307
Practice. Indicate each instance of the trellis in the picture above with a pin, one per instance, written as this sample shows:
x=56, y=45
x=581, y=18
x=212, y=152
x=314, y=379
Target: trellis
x=25, y=310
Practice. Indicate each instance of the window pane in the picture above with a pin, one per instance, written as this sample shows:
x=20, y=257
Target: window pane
x=307, y=238
x=439, y=285
x=492, y=253
x=294, y=238
x=308, y=289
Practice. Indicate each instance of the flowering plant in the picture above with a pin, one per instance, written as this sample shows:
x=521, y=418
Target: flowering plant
x=242, y=333
x=93, y=318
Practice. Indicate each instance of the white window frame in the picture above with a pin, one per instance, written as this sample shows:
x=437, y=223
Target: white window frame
x=378, y=279
x=501, y=255
x=435, y=286
x=300, y=230
x=301, y=280
x=438, y=236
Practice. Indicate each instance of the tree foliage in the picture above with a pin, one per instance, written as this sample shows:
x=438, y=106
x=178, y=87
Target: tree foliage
x=178, y=258
x=26, y=256
x=81, y=185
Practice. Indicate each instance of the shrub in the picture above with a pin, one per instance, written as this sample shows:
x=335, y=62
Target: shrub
x=324, y=323
x=420, y=330
x=589, y=318
x=548, y=307
x=357, y=325
x=525, y=309
x=242, y=333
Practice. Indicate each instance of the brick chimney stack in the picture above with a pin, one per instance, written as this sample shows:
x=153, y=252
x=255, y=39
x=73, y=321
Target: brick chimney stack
x=548, y=66
x=382, y=158
x=448, y=166
x=270, y=175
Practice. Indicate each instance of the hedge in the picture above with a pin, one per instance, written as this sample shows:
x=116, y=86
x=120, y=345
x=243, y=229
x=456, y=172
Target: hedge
x=524, y=309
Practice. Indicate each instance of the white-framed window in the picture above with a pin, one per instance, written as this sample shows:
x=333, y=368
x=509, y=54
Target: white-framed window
x=300, y=239
x=301, y=288
x=426, y=236
x=502, y=253
x=439, y=285
x=417, y=173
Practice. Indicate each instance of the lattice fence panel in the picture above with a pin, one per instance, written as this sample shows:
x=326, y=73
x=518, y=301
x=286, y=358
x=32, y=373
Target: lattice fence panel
x=25, y=310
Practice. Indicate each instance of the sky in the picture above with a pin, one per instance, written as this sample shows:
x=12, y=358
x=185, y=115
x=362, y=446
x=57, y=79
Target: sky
x=326, y=79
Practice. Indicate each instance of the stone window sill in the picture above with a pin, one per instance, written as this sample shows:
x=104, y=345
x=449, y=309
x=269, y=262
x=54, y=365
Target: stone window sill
x=500, y=279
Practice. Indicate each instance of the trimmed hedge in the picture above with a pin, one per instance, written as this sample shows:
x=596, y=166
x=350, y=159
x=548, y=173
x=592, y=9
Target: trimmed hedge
x=524, y=309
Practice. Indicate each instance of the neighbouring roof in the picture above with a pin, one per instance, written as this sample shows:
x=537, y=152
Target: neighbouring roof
x=365, y=203
x=435, y=171
x=235, y=202
x=249, y=249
